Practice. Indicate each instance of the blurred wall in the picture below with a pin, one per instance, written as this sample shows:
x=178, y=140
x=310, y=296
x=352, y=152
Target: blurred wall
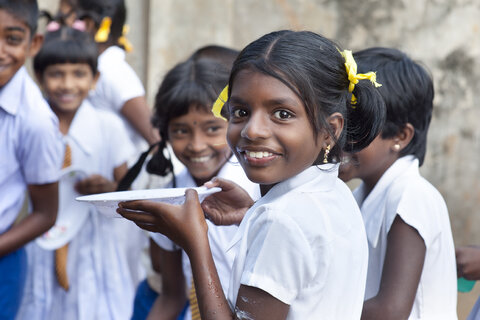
x=443, y=34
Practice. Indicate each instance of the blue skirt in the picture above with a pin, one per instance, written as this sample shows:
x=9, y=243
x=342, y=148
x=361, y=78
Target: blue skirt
x=13, y=271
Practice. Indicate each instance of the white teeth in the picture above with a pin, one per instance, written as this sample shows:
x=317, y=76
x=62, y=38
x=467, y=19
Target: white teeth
x=200, y=159
x=258, y=155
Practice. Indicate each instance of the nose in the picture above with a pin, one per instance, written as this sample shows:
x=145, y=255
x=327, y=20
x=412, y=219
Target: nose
x=67, y=82
x=257, y=127
x=197, y=143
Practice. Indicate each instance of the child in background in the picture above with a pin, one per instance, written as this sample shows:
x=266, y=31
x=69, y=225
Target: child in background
x=411, y=271
x=301, y=249
x=31, y=150
x=118, y=89
x=198, y=140
x=98, y=285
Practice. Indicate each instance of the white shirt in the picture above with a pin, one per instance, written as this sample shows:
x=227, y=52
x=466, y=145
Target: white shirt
x=31, y=148
x=219, y=236
x=101, y=285
x=117, y=84
x=402, y=191
x=304, y=243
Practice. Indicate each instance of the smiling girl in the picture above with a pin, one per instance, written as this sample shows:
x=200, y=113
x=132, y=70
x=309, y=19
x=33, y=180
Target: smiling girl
x=294, y=103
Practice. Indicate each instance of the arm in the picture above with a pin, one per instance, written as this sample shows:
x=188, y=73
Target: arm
x=186, y=226
x=468, y=262
x=98, y=184
x=401, y=274
x=44, y=200
x=138, y=115
x=170, y=302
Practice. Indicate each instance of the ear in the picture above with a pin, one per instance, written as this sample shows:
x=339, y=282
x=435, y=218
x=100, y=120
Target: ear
x=403, y=137
x=35, y=45
x=335, y=122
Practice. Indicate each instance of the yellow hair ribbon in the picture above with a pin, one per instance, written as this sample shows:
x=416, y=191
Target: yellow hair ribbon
x=218, y=105
x=104, y=30
x=123, y=39
x=353, y=76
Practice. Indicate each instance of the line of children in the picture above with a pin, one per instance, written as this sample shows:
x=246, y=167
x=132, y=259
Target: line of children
x=99, y=281
x=30, y=146
x=290, y=115
x=411, y=270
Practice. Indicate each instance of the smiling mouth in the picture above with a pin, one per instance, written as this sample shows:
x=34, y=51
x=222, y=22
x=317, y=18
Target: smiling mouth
x=200, y=159
x=258, y=154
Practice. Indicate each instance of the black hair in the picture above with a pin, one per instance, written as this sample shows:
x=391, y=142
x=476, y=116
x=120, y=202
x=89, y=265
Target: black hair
x=218, y=53
x=192, y=83
x=99, y=9
x=312, y=67
x=407, y=90
x=66, y=45
x=25, y=10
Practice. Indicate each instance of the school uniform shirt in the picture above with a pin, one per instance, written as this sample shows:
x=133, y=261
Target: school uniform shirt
x=219, y=236
x=404, y=192
x=304, y=243
x=31, y=149
x=101, y=285
x=117, y=84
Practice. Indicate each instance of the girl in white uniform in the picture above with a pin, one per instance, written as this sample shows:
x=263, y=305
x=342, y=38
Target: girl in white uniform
x=411, y=269
x=98, y=283
x=294, y=102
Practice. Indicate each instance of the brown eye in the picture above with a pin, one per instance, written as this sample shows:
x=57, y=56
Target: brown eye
x=282, y=114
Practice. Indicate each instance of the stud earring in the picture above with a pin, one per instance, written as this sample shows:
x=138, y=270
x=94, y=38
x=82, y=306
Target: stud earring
x=325, y=154
x=396, y=147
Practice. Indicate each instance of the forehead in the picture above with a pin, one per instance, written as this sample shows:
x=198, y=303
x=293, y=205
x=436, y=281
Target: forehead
x=196, y=114
x=11, y=22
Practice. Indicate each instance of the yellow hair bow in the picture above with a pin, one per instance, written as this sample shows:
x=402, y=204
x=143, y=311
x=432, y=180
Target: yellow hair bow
x=104, y=30
x=123, y=39
x=353, y=76
x=218, y=105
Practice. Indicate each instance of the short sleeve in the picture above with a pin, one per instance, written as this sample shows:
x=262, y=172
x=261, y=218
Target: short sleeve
x=41, y=148
x=164, y=242
x=118, y=84
x=280, y=260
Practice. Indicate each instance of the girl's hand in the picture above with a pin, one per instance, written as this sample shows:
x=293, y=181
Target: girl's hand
x=228, y=206
x=184, y=224
x=95, y=184
x=468, y=262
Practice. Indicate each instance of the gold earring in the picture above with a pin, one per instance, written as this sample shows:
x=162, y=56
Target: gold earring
x=325, y=154
x=396, y=147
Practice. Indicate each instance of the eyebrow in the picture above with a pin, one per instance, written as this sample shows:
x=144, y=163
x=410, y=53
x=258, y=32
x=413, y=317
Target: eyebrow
x=19, y=29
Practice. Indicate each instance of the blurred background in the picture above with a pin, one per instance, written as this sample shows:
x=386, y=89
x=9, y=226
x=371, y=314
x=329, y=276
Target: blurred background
x=443, y=34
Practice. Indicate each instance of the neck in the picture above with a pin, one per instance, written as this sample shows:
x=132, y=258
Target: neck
x=372, y=180
x=64, y=119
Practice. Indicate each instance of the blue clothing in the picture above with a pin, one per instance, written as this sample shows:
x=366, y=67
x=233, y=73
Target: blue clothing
x=144, y=299
x=13, y=271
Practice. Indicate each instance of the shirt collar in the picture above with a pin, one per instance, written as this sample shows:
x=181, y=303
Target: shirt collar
x=112, y=53
x=375, y=206
x=11, y=93
x=84, y=127
x=312, y=179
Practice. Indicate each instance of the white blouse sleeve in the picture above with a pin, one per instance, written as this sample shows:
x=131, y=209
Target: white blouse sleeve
x=280, y=260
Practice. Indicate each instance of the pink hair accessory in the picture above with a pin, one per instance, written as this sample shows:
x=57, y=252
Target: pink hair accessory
x=53, y=26
x=79, y=25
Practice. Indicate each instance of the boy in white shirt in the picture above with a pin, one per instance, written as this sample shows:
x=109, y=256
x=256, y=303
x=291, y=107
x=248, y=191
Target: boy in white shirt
x=30, y=146
x=411, y=270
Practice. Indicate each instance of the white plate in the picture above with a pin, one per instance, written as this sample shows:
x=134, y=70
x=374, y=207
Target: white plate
x=71, y=214
x=107, y=203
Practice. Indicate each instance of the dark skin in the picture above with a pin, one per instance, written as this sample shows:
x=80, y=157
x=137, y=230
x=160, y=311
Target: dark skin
x=44, y=199
x=468, y=262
